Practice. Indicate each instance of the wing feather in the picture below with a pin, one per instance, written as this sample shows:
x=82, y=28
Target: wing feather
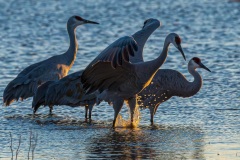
x=66, y=91
x=25, y=86
x=102, y=76
x=114, y=52
x=108, y=69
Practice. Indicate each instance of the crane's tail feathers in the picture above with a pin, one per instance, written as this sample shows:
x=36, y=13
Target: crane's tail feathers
x=40, y=95
x=55, y=93
x=7, y=102
x=36, y=108
x=18, y=92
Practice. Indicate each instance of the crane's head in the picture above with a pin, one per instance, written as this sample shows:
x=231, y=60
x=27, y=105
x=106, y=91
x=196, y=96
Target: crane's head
x=75, y=21
x=195, y=62
x=151, y=23
x=176, y=41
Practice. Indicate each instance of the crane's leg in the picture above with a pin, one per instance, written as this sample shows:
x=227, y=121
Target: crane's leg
x=86, y=112
x=90, y=112
x=117, y=105
x=50, y=109
x=151, y=108
x=34, y=110
x=132, y=102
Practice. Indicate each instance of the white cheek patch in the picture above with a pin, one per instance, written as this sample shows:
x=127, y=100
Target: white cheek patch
x=194, y=64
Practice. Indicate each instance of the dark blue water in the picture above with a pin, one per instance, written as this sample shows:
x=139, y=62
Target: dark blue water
x=205, y=126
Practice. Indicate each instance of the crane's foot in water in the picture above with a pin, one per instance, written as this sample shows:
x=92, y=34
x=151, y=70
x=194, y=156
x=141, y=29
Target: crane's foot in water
x=34, y=114
x=50, y=111
x=90, y=121
x=132, y=125
x=152, y=123
x=113, y=125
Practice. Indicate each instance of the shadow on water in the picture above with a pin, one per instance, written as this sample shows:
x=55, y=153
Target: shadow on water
x=157, y=142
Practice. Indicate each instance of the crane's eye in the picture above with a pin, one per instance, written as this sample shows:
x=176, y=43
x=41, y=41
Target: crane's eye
x=178, y=40
x=78, y=18
x=196, y=60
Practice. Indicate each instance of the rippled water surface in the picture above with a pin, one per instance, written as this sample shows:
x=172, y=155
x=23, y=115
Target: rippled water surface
x=205, y=126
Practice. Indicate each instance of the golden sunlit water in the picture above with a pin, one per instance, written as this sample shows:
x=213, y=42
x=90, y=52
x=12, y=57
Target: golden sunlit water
x=126, y=123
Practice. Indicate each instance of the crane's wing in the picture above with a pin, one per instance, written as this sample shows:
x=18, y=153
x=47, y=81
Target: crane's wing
x=29, y=69
x=25, y=86
x=166, y=83
x=168, y=79
x=110, y=68
x=141, y=38
x=118, y=51
x=40, y=75
x=66, y=91
x=102, y=76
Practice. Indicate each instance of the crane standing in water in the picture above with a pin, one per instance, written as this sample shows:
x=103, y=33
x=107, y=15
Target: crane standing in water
x=69, y=91
x=54, y=68
x=116, y=79
x=167, y=83
x=66, y=91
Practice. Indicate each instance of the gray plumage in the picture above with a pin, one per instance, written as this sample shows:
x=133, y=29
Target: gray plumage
x=54, y=68
x=39, y=96
x=66, y=91
x=167, y=83
x=117, y=79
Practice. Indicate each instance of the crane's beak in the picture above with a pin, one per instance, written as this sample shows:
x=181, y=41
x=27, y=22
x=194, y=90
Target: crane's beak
x=92, y=22
x=180, y=49
x=204, y=67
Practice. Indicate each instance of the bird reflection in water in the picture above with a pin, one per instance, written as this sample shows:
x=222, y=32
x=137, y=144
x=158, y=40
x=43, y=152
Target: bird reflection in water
x=155, y=142
x=121, y=144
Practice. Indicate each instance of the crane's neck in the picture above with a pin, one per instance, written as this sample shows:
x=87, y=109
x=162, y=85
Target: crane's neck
x=158, y=62
x=141, y=37
x=73, y=47
x=192, y=87
x=147, y=70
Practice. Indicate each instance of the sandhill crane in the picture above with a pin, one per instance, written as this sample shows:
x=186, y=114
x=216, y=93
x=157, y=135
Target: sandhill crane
x=54, y=68
x=66, y=91
x=167, y=83
x=117, y=79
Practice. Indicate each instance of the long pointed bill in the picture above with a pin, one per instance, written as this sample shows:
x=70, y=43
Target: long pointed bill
x=87, y=21
x=204, y=67
x=180, y=49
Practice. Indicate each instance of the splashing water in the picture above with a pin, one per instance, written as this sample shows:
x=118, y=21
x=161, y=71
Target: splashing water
x=122, y=123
